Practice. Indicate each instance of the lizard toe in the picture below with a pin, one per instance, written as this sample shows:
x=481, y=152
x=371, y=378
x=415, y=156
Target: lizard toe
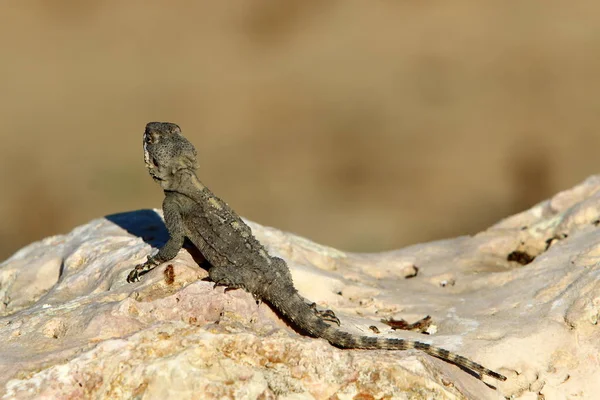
x=133, y=276
x=325, y=315
x=329, y=316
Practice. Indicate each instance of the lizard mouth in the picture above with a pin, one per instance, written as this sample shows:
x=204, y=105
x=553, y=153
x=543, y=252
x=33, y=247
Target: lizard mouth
x=153, y=175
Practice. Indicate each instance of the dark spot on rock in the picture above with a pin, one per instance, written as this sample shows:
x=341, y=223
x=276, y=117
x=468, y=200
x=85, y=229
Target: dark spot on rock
x=447, y=282
x=520, y=257
x=555, y=238
x=374, y=329
x=411, y=271
x=169, y=274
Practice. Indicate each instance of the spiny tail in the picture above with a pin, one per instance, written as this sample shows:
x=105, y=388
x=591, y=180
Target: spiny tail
x=348, y=341
x=295, y=308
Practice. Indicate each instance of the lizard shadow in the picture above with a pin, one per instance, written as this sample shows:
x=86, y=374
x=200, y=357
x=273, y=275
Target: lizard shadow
x=145, y=224
x=148, y=225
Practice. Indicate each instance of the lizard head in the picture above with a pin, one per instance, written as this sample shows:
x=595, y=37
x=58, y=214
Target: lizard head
x=166, y=152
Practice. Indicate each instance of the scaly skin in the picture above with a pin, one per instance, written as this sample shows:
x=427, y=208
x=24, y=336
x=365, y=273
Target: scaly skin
x=237, y=259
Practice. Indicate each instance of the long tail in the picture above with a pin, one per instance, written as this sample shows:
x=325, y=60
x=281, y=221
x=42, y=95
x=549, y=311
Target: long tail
x=297, y=311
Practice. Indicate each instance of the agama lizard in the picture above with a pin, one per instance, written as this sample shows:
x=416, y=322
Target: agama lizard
x=237, y=258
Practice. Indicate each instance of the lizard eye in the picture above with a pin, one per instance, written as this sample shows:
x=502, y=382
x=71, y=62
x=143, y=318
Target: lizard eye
x=149, y=138
x=154, y=162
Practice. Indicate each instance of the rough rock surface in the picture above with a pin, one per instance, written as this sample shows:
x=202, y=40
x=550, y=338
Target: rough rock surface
x=522, y=297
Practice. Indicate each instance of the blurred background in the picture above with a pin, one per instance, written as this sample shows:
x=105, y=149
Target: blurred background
x=363, y=125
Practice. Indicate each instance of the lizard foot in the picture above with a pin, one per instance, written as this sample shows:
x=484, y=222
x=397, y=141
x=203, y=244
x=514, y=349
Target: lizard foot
x=325, y=315
x=141, y=269
x=223, y=276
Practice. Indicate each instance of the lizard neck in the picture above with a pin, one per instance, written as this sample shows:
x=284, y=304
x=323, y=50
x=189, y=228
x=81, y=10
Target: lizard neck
x=185, y=182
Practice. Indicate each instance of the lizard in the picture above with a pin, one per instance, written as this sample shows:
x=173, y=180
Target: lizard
x=237, y=259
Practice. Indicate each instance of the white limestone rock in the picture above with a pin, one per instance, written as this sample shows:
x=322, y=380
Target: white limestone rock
x=72, y=327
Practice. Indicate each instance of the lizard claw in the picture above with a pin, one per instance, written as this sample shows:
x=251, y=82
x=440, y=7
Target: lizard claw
x=222, y=276
x=325, y=315
x=133, y=276
x=141, y=269
x=227, y=283
x=220, y=283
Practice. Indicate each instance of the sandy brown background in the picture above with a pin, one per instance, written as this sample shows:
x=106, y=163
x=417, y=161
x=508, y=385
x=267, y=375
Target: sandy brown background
x=366, y=125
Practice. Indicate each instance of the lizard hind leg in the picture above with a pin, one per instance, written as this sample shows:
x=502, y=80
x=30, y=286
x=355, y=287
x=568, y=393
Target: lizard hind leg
x=226, y=276
x=232, y=279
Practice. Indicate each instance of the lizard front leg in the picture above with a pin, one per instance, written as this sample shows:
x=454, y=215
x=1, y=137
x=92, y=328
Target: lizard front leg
x=174, y=223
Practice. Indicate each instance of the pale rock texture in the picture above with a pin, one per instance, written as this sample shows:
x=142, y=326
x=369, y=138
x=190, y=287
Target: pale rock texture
x=522, y=297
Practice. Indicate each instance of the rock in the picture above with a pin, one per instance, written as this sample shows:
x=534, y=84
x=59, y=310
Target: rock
x=522, y=298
